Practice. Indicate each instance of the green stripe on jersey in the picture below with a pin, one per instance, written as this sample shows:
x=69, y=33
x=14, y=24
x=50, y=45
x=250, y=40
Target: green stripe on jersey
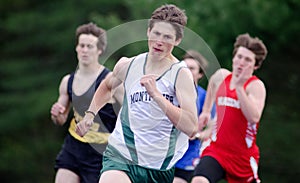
x=171, y=150
x=127, y=133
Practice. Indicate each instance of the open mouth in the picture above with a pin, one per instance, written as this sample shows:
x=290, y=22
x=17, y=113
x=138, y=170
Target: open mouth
x=157, y=50
x=239, y=70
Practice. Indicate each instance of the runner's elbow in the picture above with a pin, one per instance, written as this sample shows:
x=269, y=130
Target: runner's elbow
x=193, y=129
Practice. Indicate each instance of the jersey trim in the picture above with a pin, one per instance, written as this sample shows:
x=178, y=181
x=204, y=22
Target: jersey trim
x=127, y=132
x=171, y=151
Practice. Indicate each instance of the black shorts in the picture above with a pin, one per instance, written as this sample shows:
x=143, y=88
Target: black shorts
x=209, y=168
x=184, y=174
x=80, y=158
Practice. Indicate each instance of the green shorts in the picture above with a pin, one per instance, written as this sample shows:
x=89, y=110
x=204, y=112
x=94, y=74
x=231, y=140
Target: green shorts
x=112, y=160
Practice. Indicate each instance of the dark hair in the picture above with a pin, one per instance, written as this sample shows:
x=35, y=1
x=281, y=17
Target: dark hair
x=253, y=44
x=93, y=29
x=171, y=14
x=192, y=54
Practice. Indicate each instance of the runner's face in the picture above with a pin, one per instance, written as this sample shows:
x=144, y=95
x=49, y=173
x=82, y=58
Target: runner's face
x=86, y=49
x=194, y=67
x=161, y=38
x=244, y=58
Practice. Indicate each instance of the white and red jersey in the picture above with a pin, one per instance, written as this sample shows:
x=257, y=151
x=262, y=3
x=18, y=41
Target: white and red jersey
x=233, y=143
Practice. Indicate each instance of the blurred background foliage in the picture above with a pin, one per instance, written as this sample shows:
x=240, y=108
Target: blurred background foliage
x=38, y=48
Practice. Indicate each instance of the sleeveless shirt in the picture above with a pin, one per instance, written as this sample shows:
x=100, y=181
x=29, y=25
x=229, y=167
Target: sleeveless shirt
x=104, y=121
x=144, y=135
x=233, y=134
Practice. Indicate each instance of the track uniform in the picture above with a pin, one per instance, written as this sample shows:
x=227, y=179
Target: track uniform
x=144, y=137
x=233, y=145
x=83, y=155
